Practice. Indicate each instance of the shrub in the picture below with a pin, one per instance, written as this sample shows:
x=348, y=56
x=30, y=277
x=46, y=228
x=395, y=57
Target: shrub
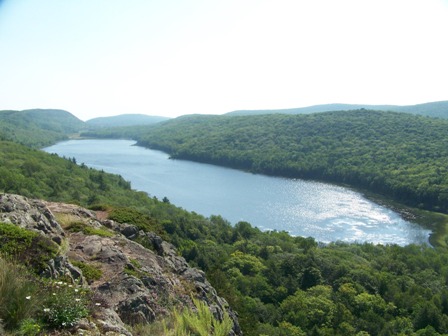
x=30, y=327
x=28, y=246
x=132, y=216
x=64, y=305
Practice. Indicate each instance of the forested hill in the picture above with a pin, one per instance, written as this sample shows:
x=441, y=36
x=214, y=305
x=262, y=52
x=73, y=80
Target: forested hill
x=124, y=120
x=399, y=155
x=38, y=127
x=434, y=109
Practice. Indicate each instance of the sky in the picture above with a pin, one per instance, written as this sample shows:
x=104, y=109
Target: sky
x=98, y=58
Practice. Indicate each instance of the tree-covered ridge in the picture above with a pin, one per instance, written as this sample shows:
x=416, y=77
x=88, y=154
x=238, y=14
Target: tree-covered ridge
x=395, y=154
x=124, y=120
x=437, y=109
x=38, y=128
x=34, y=173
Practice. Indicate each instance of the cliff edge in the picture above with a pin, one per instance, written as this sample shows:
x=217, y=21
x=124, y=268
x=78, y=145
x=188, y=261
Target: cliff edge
x=141, y=278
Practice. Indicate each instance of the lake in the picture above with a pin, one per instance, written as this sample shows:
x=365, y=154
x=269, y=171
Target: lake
x=305, y=208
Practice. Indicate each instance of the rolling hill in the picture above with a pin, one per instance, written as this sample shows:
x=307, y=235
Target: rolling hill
x=434, y=109
x=124, y=120
x=38, y=127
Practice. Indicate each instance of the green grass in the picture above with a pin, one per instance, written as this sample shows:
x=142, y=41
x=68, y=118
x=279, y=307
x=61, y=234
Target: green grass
x=19, y=294
x=91, y=273
x=198, y=321
x=79, y=226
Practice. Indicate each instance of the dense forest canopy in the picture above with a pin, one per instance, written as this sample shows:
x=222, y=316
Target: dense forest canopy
x=435, y=109
x=124, y=120
x=395, y=154
x=38, y=128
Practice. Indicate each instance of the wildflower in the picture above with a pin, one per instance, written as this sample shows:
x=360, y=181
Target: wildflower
x=54, y=293
x=59, y=282
x=97, y=304
x=46, y=310
x=77, y=300
x=76, y=290
x=70, y=286
x=28, y=297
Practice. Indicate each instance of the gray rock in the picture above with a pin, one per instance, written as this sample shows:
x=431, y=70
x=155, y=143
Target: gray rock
x=137, y=285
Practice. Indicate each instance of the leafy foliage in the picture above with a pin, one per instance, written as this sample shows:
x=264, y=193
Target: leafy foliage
x=64, y=305
x=37, y=174
x=30, y=247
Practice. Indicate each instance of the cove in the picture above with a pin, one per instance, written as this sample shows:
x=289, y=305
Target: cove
x=304, y=208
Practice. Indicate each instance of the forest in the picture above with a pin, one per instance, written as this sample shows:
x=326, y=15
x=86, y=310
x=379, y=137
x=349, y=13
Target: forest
x=398, y=155
x=282, y=285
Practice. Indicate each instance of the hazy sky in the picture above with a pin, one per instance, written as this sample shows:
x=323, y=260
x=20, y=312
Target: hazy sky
x=172, y=57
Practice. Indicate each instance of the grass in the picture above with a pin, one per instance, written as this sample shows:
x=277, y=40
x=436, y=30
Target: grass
x=90, y=272
x=197, y=321
x=19, y=294
x=438, y=223
x=79, y=226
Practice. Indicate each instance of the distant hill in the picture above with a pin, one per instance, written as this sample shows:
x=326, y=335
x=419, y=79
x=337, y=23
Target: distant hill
x=124, y=120
x=38, y=127
x=434, y=109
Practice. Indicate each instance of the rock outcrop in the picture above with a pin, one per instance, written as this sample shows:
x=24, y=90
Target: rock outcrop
x=140, y=281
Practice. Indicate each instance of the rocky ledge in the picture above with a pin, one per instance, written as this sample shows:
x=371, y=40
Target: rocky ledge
x=137, y=284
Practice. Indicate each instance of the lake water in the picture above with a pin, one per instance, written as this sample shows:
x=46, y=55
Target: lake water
x=304, y=208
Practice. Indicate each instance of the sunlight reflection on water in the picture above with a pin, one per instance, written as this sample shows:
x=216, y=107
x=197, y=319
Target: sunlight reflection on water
x=303, y=208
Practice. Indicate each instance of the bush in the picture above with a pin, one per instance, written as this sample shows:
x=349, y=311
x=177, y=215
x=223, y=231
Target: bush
x=64, y=305
x=135, y=217
x=28, y=246
x=30, y=327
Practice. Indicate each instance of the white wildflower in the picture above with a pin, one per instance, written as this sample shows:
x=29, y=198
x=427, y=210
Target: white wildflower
x=28, y=297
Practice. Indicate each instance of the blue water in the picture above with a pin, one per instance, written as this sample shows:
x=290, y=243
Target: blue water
x=304, y=208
